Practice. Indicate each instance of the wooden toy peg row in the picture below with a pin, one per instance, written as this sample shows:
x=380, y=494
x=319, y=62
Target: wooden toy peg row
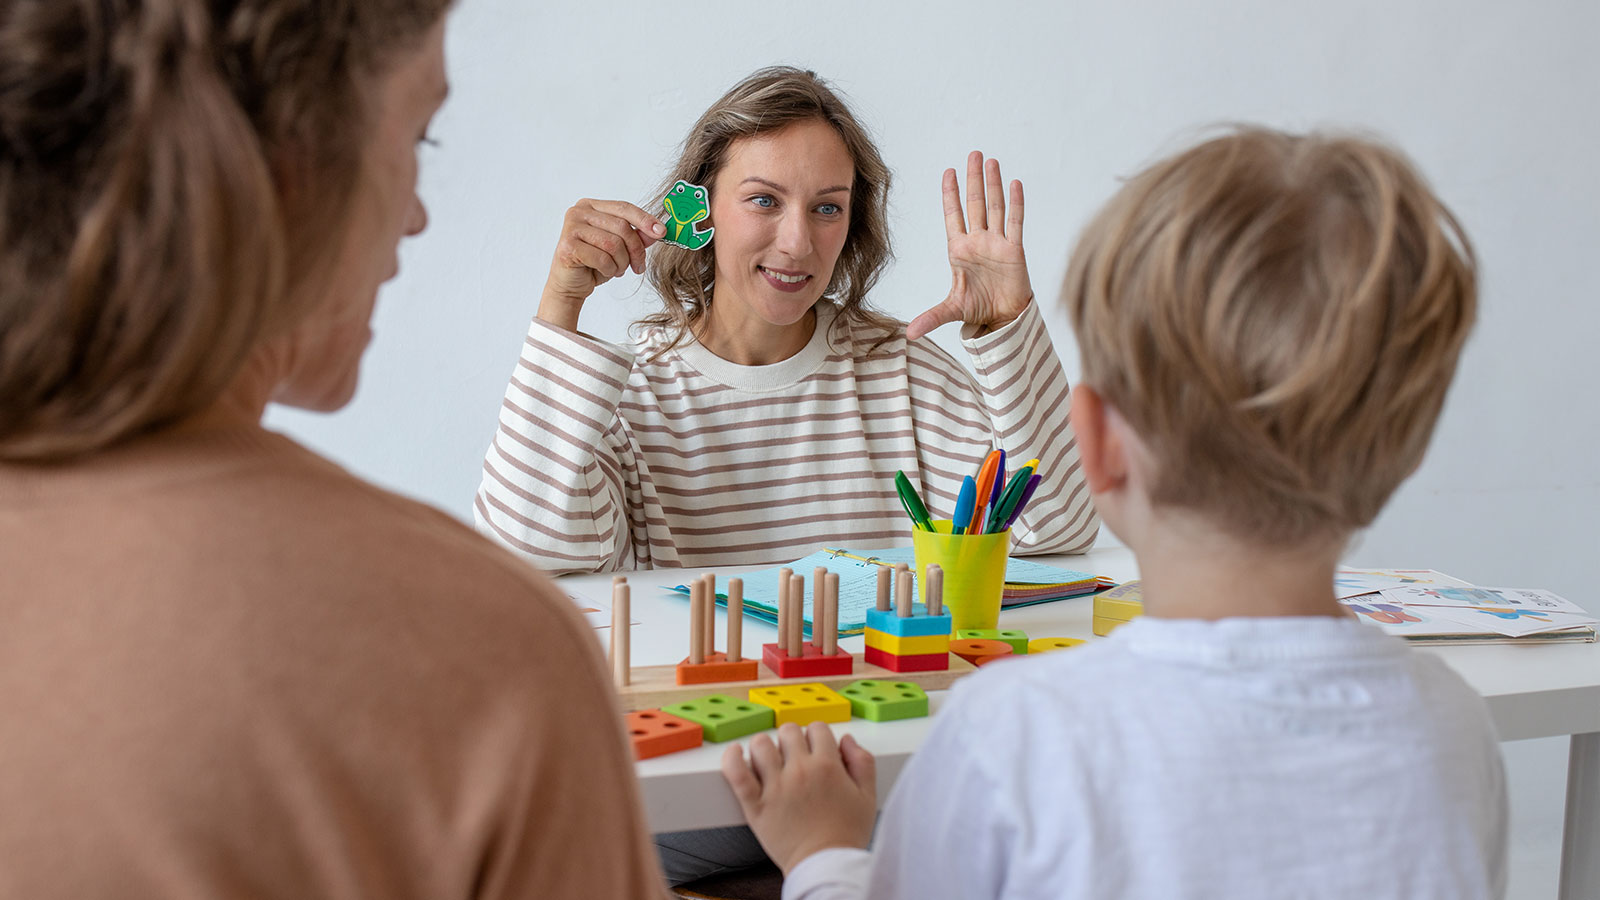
x=621, y=663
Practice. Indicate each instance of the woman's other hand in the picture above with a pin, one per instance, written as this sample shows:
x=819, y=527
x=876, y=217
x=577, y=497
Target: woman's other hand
x=600, y=240
x=989, y=284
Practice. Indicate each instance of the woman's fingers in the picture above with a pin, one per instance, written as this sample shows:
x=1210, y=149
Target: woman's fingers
x=631, y=237
x=604, y=252
x=1014, y=215
x=954, y=224
x=977, y=219
x=994, y=193
x=646, y=224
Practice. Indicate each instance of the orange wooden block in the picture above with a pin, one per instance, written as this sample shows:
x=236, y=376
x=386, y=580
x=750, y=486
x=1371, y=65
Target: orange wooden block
x=717, y=668
x=980, y=651
x=656, y=733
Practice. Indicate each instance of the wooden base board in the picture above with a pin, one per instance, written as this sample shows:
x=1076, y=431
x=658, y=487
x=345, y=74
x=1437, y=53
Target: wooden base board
x=653, y=686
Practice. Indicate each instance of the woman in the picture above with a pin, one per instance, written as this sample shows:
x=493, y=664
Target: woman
x=231, y=669
x=765, y=411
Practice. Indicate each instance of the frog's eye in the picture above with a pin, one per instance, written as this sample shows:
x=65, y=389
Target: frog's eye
x=699, y=195
x=680, y=188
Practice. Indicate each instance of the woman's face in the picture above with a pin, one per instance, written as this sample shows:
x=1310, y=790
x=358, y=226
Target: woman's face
x=325, y=350
x=781, y=207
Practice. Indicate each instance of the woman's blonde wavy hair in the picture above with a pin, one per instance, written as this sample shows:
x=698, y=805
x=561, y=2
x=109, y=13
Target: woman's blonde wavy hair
x=1279, y=318
x=170, y=170
x=768, y=100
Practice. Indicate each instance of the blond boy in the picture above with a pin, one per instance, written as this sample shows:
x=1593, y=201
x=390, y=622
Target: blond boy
x=1268, y=324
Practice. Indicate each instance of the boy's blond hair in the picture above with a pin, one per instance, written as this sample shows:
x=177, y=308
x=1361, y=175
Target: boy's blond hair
x=1278, y=317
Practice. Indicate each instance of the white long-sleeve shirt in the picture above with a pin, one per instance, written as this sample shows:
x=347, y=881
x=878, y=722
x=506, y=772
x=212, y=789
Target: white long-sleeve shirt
x=611, y=457
x=1244, y=758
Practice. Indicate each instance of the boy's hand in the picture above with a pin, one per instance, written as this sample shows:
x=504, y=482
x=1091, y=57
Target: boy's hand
x=805, y=793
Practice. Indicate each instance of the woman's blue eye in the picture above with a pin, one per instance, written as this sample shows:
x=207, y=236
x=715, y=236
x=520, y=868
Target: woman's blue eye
x=830, y=209
x=762, y=200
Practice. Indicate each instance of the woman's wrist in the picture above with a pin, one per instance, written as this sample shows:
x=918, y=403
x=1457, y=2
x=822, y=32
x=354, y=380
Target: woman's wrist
x=559, y=310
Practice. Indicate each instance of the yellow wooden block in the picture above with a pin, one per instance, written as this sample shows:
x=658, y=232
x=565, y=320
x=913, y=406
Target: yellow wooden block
x=1046, y=644
x=908, y=646
x=803, y=703
x=1103, y=626
x=1123, y=602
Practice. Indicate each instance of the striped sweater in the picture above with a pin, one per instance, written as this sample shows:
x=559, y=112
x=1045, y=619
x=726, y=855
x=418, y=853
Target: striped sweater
x=608, y=459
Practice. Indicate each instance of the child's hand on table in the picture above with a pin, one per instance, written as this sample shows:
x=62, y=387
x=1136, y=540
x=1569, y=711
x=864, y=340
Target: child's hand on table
x=804, y=793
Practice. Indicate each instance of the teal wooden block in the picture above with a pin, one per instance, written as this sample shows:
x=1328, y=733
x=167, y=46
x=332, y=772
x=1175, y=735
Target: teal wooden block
x=722, y=718
x=919, y=624
x=885, y=701
x=1017, y=639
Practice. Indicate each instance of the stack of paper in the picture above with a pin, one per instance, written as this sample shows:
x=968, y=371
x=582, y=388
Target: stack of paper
x=1431, y=607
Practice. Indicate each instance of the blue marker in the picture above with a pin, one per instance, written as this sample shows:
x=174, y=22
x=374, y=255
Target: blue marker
x=964, y=501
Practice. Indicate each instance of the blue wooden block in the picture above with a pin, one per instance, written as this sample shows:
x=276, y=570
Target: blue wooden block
x=920, y=624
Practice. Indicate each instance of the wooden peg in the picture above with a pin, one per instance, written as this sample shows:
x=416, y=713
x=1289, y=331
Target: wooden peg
x=797, y=625
x=784, y=574
x=621, y=662
x=697, y=621
x=885, y=576
x=710, y=612
x=830, y=637
x=819, y=588
x=902, y=594
x=735, y=619
x=933, y=590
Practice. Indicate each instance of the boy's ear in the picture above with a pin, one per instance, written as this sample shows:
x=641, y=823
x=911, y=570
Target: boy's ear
x=1101, y=448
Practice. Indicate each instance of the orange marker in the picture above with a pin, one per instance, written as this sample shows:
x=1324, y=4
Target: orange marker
x=986, y=476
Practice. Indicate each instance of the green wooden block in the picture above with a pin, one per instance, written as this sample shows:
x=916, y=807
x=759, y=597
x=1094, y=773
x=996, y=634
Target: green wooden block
x=885, y=701
x=722, y=718
x=1017, y=639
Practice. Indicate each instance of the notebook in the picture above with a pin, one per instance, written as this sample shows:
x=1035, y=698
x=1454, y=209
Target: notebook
x=1027, y=583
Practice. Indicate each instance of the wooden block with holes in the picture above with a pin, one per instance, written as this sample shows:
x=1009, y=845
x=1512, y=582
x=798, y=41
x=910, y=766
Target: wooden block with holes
x=810, y=664
x=905, y=665
x=722, y=718
x=716, y=668
x=980, y=651
x=655, y=686
x=1047, y=644
x=885, y=701
x=657, y=733
x=803, y=704
x=1017, y=639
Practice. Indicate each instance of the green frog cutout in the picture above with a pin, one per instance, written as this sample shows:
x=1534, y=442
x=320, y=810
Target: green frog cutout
x=687, y=204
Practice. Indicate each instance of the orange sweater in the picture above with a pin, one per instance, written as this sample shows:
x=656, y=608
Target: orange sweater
x=230, y=669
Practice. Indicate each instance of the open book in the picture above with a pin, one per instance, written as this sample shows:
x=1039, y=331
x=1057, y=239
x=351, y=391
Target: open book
x=1433, y=608
x=1027, y=582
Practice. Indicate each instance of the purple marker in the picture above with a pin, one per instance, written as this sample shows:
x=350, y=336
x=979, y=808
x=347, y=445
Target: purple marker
x=1027, y=494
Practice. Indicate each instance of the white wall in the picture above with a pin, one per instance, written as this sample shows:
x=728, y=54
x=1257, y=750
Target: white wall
x=1496, y=101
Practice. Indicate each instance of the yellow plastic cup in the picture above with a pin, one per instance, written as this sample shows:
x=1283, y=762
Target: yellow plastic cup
x=974, y=572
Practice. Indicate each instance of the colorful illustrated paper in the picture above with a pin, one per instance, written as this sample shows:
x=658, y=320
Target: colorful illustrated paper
x=687, y=204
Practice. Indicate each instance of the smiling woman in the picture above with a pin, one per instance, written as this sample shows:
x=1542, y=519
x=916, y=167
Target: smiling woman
x=765, y=410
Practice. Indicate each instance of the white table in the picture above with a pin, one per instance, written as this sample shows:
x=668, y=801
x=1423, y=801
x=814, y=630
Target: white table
x=1532, y=692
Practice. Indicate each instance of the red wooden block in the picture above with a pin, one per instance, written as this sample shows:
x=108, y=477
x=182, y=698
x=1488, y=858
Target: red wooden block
x=717, y=668
x=980, y=651
x=916, y=662
x=812, y=665
x=657, y=733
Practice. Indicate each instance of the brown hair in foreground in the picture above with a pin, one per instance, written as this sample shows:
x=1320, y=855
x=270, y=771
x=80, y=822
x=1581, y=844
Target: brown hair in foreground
x=768, y=100
x=1278, y=317
x=173, y=174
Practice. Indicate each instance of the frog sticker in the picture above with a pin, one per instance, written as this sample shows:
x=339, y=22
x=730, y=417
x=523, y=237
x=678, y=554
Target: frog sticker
x=687, y=204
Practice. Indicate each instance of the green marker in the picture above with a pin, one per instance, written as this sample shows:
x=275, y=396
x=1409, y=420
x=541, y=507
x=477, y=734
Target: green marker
x=912, y=503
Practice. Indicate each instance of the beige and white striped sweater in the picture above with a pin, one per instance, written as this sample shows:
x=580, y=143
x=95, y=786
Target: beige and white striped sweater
x=606, y=459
